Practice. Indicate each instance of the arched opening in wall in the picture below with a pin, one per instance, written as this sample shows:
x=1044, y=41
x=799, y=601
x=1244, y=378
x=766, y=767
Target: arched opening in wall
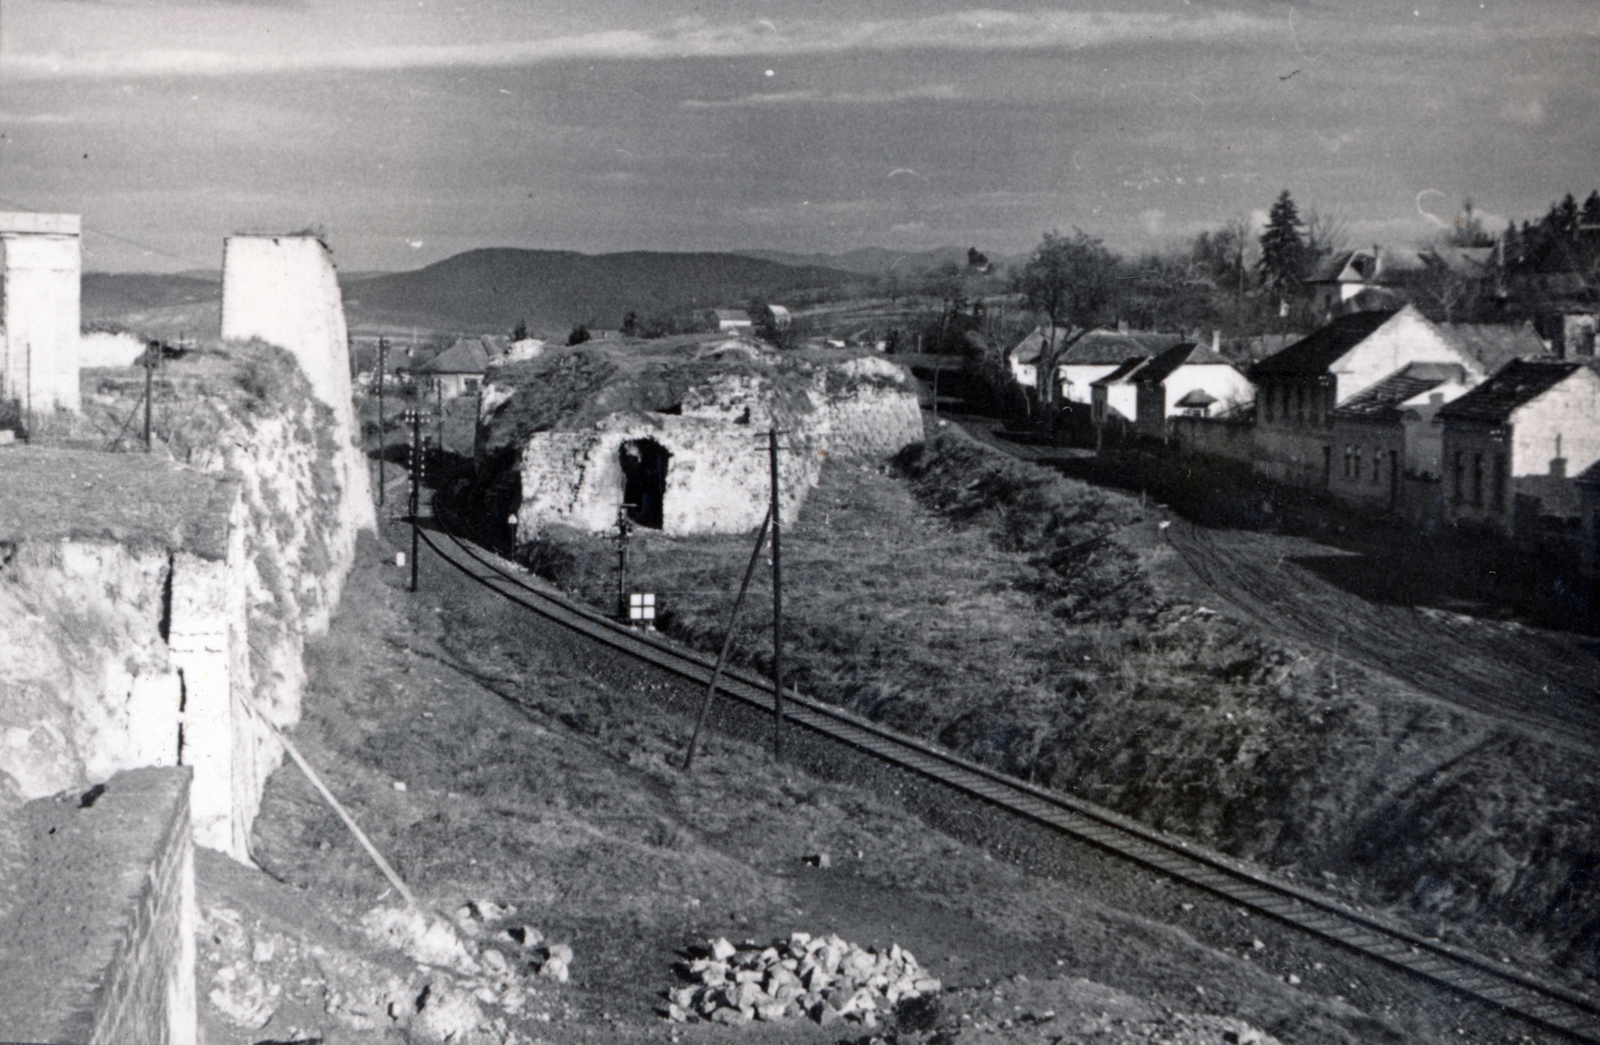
x=644, y=480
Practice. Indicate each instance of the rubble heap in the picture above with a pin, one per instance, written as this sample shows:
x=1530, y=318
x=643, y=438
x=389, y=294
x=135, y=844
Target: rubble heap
x=823, y=978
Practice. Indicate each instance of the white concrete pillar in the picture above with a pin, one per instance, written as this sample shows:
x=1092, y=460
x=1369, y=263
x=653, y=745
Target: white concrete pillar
x=285, y=291
x=43, y=273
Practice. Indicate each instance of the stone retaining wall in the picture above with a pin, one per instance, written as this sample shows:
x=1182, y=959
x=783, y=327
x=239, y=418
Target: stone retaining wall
x=97, y=914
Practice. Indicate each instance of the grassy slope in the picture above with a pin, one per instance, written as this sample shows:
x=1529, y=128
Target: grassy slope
x=969, y=603
x=495, y=288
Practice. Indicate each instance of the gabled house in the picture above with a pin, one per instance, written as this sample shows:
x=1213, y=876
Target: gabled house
x=1185, y=379
x=1298, y=389
x=1512, y=445
x=732, y=320
x=1090, y=358
x=1386, y=433
x=459, y=369
x=1113, y=397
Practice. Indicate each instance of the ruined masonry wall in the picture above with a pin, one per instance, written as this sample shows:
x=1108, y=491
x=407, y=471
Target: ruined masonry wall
x=43, y=268
x=718, y=479
x=87, y=687
x=97, y=915
x=285, y=291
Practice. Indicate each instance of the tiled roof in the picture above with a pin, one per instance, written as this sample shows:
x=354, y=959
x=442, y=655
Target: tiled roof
x=1493, y=344
x=1382, y=401
x=469, y=355
x=1187, y=354
x=1197, y=397
x=1514, y=384
x=1096, y=348
x=1123, y=372
x=1314, y=354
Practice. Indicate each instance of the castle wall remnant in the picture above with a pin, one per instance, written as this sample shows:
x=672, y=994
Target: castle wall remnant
x=284, y=290
x=42, y=267
x=97, y=914
x=713, y=472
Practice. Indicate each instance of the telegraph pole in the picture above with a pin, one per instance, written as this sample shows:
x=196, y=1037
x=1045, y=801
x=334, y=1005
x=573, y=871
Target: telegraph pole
x=777, y=603
x=383, y=347
x=727, y=644
x=151, y=350
x=624, y=527
x=416, y=487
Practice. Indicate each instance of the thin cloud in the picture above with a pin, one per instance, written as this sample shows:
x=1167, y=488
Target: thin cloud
x=977, y=30
x=942, y=92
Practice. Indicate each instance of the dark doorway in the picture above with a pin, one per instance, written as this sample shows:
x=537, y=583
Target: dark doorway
x=644, y=480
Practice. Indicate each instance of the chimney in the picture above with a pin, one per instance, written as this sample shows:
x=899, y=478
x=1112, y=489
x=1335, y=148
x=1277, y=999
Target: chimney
x=1216, y=341
x=1377, y=254
x=1122, y=326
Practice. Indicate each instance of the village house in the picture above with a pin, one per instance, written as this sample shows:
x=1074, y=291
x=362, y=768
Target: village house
x=1512, y=445
x=1114, y=398
x=1298, y=389
x=1186, y=379
x=733, y=320
x=1387, y=433
x=459, y=369
x=1092, y=357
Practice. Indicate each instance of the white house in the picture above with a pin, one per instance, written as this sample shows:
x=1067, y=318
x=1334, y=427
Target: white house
x=1189, y=379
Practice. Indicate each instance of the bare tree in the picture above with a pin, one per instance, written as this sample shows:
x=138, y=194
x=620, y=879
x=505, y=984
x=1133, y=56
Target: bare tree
x=1071, y=281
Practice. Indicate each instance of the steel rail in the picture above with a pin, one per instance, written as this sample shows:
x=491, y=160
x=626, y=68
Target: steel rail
x=1529, y=997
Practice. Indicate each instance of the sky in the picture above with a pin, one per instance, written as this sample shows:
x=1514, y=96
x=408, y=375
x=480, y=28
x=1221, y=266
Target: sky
x=407, y=131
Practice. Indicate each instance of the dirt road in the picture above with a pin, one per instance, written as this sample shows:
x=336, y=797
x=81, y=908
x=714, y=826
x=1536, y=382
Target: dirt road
x=1543, y=680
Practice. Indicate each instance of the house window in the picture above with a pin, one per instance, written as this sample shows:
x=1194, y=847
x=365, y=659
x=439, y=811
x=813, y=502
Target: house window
x=1477, y=480
x=1300, y=404
x=1458, y=489
x=1355, y=471
x=1348, y=451
x=1377, y=465
x=470, y=385
x=1499, y=482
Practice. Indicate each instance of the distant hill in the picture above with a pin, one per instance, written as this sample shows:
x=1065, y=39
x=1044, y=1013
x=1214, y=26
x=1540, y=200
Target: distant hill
x=482, y=291
x=869, y=261
x=494, y=289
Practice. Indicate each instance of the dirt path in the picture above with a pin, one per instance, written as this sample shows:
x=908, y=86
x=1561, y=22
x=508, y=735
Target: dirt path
x=1542, y=681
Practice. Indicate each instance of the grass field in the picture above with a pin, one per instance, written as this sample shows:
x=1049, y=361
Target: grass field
x=1025, y=620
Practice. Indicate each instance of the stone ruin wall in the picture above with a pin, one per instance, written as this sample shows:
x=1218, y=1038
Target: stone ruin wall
x=41, y=262
x=285, y=291
x=718, y=479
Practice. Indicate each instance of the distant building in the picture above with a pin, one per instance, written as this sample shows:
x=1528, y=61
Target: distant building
x=1113, y=397
x=782, y=318
x=1185, y=379
x=733, y=320
x=1298, y=388
x=459, y=369
x=1387, y=432
x=1090, y=358
x=1512, y=445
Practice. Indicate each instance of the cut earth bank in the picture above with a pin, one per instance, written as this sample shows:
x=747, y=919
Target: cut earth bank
x=498, y=760
x=1044, y=627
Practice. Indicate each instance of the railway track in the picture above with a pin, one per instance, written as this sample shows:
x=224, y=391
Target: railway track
x=1535, y=1000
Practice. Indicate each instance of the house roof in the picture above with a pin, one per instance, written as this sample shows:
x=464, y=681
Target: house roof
x=1493, y=344
x=1123, y=372
x=1367, y=265
x=1096, y=348
x=1514, y=384
x=1316, y=353
x=731, y=315
x=1382, y=401
x=469, y=355
x=1197, y=397
x=1186, y=354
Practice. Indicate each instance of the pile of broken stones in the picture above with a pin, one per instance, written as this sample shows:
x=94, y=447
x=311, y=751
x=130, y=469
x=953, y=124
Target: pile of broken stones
x=823, y=978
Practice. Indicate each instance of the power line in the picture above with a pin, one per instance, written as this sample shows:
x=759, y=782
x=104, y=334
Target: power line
x=112, y=235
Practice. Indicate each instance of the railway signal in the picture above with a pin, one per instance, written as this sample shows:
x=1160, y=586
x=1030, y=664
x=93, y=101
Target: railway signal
x=418, y=467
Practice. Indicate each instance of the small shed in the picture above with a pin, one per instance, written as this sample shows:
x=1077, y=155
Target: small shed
x=459, y=369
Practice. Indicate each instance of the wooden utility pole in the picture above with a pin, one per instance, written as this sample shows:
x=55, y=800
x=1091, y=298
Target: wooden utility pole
x=727, y=643
x=624, y=527
x=416, y=487
x=383, y=348
x=151, y=351
x=777, y=602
